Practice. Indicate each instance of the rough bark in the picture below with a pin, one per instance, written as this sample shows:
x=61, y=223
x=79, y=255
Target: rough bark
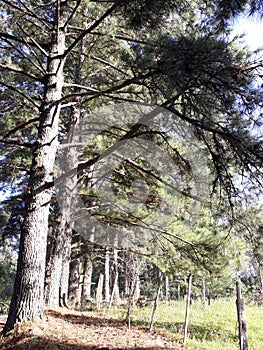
x=74, y=270
x=84, y=286
x=88, y=279
x=64, y=276
x=58, y=265
x=242, y=326
x=28, y=297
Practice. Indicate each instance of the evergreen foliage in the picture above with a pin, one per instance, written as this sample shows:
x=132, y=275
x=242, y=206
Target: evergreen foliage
x=59, y=58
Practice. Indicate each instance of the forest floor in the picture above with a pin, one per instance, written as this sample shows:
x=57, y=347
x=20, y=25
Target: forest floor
x=64, y=329
x=212, y=328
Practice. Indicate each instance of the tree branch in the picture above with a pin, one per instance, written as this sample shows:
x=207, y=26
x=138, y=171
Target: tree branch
x=39, y=68
x=157, y=177
x=73, y=12
x=24, y=95
x=32, y=13
x=125, y=38
x=18, y=143
x=108, y=64
x=92, y=27
x=134, y=80
x=19, y=71
x=20, y=126
x=82, y=87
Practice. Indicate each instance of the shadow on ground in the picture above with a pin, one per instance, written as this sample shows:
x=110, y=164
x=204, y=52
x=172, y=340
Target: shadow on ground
x=38, y=343
x=86, y=320
x=90, y=332
x=197, y=331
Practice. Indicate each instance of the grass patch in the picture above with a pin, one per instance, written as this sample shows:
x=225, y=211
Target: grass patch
x=213, y=328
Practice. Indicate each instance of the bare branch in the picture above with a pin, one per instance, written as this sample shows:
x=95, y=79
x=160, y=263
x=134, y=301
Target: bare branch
x=40, y=68
x=108, y=64
x=82, y=87
x=129, y=134
x=17, y=8
x=6, y=37
x=157, y=177
x=95, y=94
x=24, y=95
x=11, y=37
x=92, y=27
x=20, y=126
x=32, y=13
x=72, y=13
x=19, y=71
x=36, y=44
x=18, y=143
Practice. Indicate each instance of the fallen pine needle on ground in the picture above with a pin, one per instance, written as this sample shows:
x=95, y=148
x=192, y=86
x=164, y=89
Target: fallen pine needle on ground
x=64, y=329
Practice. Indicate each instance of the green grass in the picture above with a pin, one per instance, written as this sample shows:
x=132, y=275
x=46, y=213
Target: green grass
x=214, y=328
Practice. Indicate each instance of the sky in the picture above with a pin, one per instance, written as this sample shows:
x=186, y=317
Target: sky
x=253, y=28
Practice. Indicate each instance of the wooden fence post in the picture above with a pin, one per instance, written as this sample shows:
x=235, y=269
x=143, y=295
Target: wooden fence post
x=187, y=308
x=242, y=327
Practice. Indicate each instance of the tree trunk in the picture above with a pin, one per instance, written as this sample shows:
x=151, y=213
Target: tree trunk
x=243, y=340
x=156, y=299
x=203, y=293
x=99, y=291
x=89, y=278
x=64, y=276
x=137, y=288
x=132, y=274
x=115, y=286
x=84, y=286
x=167, y=290
x=28, y=296
x=126, y=279
x=52, y=276
x=77, y=304
x=58, y=265
x=107, y=275
x=260, y=277
x=74, y=278
x=67, y=196
x=210, y=291
x=115, y=289
x=178, y=291
x=130, y=301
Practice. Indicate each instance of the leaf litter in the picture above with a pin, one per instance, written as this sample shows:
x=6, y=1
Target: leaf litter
x=65, y=329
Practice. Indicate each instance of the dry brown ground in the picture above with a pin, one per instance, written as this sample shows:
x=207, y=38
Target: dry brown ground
x=64, y=329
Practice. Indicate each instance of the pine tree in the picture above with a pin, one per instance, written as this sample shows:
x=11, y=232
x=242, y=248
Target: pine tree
x=202, y=79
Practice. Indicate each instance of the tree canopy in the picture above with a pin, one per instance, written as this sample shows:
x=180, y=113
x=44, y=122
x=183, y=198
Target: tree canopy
x=61, y=61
